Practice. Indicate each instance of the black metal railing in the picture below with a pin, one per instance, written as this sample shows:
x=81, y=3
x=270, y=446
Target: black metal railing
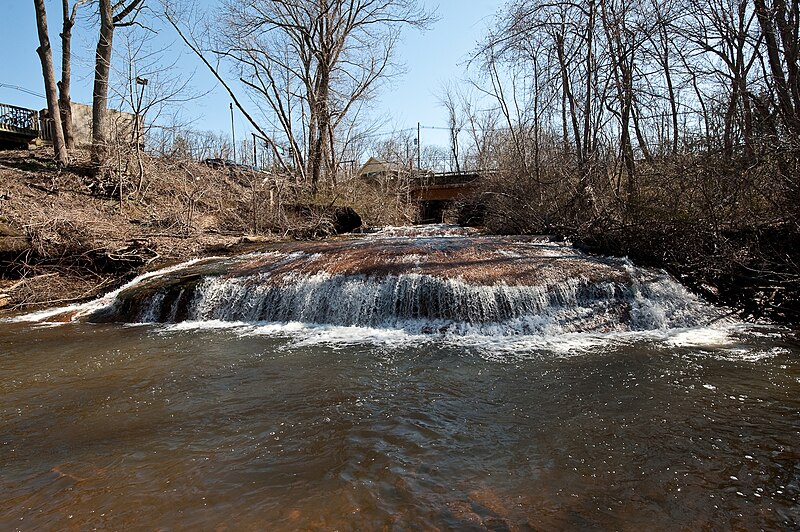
x=19, y=120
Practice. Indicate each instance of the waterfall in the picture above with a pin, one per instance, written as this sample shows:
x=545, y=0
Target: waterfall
x=422, y=283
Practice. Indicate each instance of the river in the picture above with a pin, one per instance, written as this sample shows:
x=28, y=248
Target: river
x=407, y=415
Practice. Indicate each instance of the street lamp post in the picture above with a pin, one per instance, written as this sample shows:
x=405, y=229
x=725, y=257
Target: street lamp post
x=419, y=148
x=233, y=134
x=142, y=82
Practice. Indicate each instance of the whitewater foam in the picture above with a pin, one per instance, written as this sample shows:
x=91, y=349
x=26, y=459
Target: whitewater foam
x=426, y=304
x=464, y=286
x=80, y=310
x=488, y=346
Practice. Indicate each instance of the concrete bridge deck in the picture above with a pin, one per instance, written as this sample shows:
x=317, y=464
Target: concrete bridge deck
x=446, y=186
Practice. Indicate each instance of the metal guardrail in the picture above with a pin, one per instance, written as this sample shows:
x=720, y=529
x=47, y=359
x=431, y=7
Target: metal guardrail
x=19, y=120
x=446, y=179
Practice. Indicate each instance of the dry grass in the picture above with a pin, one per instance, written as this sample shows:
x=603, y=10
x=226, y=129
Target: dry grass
x=87, y=234
x=81, y=244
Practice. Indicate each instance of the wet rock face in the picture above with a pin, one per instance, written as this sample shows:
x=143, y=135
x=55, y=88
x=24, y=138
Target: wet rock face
x=447, y=280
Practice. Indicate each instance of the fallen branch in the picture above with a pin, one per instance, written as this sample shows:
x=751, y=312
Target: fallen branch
x=42, y=188
x=26, y=280
x=86, y=295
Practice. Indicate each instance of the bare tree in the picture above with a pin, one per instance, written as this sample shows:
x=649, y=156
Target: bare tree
x=46, y=58
x=64, y=100
x=175, y=16
x=312, y=62
x=147, y=84
x=481, y=128
x=722, y=31
x=780, y=26
x=455, y=122
x=624, y=38
x=111, y=17
x=663, y=51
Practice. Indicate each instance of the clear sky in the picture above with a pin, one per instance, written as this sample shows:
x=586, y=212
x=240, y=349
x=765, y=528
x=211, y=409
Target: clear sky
x=431, y=58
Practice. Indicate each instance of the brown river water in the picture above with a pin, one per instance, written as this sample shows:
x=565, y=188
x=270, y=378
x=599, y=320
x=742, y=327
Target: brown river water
x=228, y=425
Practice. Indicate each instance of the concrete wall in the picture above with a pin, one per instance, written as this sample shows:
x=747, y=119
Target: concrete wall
x=121, y=125
x=82, y=124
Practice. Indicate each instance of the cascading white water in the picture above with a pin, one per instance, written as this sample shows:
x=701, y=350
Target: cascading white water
x=422, y=302
x=425, y=283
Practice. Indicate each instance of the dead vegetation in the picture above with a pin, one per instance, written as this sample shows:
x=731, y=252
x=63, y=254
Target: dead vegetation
x=726, y=226
x=71, y=234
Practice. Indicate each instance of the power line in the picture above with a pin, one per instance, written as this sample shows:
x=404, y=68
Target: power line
x=385, y=133
x=23, y=89
x=396, y=131
x=438, y=128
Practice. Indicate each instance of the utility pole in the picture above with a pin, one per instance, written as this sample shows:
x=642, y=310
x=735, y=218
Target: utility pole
x=233, y=134
x=255, y=155
x=419, y=149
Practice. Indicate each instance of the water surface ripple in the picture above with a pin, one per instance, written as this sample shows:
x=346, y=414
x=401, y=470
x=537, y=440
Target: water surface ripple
x=152, y=426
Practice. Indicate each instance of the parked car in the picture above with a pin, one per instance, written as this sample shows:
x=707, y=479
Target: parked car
x=240, y=173
x=226, y=163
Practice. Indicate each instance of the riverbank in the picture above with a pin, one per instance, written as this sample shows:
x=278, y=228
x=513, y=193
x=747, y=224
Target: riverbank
x=725, y=225
x=61, y=242
x=754, y=270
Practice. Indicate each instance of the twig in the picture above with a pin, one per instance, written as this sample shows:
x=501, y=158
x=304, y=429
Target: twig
x=29, y=279
x=162, y=235
x=85, y=295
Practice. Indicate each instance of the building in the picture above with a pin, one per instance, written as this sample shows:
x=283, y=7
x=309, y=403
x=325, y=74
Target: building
x=382, y=174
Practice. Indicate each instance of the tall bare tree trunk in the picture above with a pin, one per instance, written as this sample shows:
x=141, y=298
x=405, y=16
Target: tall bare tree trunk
x=673, y=104
x=322, y=122
x=587, y=110
x=788, y=99
x=102, y=68
x=621, y=55
x=46, y=57
x=64, y=100
x=569, y=96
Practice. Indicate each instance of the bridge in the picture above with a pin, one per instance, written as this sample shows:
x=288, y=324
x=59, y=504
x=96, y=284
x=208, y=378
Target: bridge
x=445, y=186
x=435, y=192
x=18, y=126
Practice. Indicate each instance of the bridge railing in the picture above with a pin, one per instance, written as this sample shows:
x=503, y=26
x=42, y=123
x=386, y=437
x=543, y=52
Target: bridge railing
x=445, y=179
x=46, y=129
x=19, y=120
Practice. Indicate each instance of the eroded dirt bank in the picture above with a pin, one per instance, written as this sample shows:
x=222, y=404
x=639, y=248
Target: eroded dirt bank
x=61, y=242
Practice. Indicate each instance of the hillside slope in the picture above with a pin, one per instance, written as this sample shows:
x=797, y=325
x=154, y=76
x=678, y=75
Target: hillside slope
x=60, y=241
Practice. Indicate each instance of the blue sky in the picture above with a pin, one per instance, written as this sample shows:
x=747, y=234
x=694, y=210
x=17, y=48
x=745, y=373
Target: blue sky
x=431, y=58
